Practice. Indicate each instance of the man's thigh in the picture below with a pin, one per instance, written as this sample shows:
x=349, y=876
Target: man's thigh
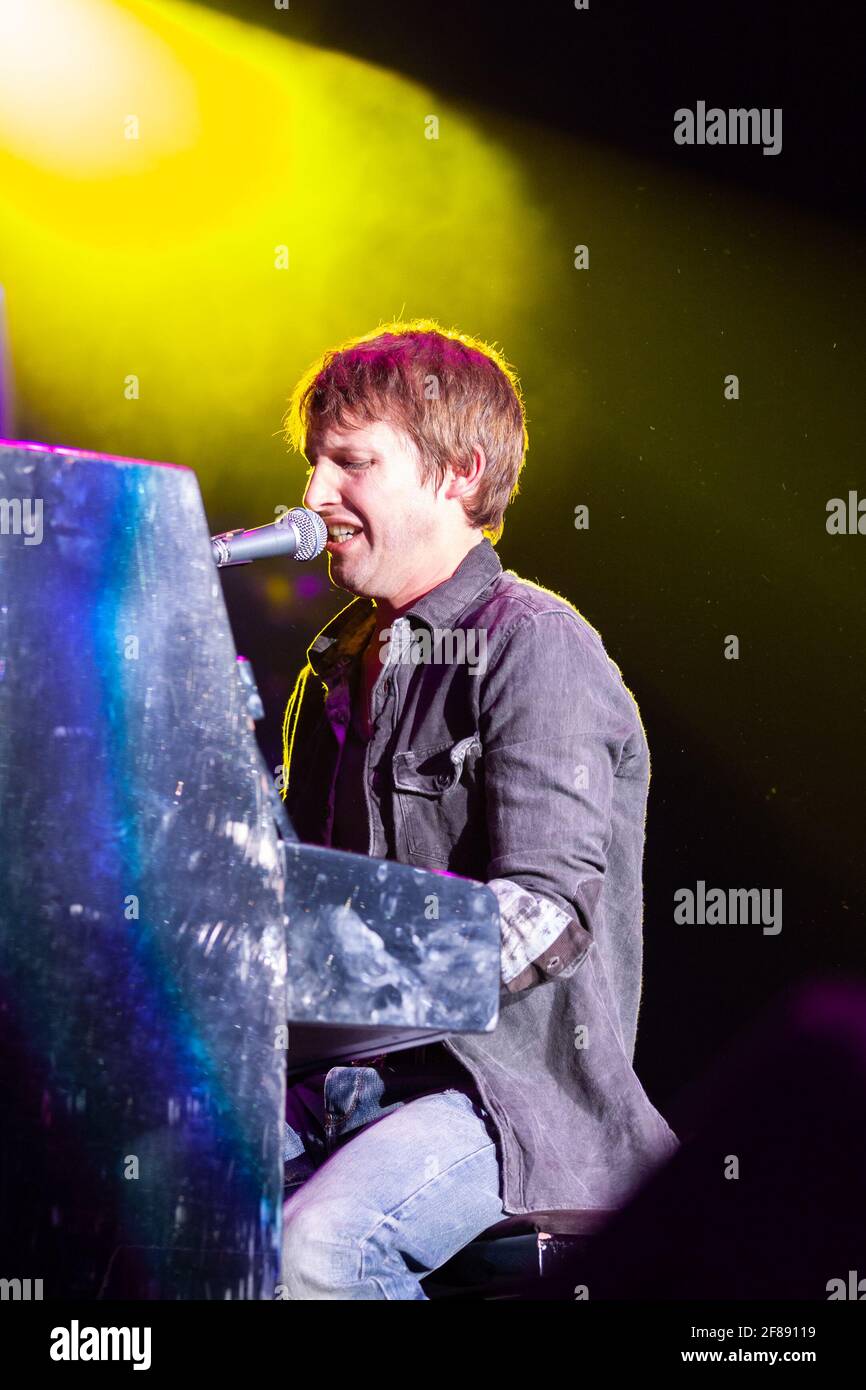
x=396, y=1201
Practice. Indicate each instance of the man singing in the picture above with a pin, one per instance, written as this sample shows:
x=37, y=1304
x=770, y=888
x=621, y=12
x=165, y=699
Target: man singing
x=520, y=761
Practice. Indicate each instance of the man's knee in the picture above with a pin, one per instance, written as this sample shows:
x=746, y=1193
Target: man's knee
x=320, y=1257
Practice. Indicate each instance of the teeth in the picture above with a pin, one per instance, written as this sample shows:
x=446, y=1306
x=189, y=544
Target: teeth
x=340, y=533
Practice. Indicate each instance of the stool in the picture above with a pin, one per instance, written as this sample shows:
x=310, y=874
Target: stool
x=535, y=1255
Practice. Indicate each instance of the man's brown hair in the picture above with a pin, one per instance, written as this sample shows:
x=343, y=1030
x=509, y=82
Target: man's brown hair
x=443, y=390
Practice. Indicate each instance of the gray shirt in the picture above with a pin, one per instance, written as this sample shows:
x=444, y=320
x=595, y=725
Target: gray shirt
x=507, y=748
x=414, y=1071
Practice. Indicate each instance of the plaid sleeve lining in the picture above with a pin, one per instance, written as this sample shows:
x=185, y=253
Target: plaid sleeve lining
x=539, y=939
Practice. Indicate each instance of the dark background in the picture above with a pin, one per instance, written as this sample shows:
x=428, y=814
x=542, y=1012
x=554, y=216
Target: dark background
x=617, y=70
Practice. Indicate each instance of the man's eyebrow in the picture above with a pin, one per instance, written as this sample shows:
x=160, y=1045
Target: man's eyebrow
x=366, y=449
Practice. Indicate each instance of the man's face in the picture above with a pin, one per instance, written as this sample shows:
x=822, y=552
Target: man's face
x=367, y=477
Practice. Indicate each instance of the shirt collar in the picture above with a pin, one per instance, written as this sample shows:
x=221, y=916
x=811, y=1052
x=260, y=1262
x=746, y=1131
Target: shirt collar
x=345, y=636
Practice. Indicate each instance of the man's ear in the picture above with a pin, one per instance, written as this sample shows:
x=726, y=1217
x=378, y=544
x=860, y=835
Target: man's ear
x=469, y=476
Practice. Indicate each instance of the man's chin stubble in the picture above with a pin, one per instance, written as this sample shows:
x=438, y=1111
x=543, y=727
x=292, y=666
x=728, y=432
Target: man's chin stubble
x=344, y=579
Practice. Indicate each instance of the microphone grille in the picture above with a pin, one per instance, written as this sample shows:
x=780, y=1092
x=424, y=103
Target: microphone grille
x=312, y=532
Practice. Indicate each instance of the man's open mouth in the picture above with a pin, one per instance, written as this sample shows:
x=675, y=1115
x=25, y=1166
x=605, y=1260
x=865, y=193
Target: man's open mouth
x=341, y=537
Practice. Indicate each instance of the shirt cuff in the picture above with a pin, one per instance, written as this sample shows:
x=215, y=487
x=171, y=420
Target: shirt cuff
x=540, y=940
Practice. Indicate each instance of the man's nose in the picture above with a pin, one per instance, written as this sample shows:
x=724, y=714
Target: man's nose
x=321, y=490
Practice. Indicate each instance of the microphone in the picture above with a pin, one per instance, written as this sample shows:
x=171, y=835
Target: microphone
x=300, y=533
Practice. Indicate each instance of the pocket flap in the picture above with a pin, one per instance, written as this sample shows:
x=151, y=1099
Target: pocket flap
x=432, y=771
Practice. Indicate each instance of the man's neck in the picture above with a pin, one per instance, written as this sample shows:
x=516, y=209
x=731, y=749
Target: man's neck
x=386, y=611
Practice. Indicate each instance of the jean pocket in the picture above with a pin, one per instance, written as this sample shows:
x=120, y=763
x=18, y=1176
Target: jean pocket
x=436, y=793
x=352, y=1099
x=293, y=1144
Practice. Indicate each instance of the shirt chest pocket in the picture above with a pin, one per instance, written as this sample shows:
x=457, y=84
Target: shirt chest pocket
x=437, y=798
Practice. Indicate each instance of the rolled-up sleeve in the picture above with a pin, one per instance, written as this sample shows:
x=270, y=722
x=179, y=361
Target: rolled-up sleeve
x=553, y=729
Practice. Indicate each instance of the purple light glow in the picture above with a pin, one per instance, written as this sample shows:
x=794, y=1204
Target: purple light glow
x=309, y=586
x=88, y=454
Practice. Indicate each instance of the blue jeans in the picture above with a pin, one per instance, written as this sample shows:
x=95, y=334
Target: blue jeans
x=379, y=1196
